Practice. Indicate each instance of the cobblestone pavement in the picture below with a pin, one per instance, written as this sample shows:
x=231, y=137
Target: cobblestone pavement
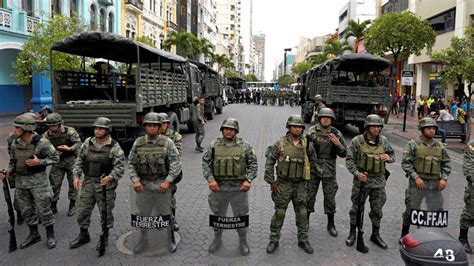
x=261, y=126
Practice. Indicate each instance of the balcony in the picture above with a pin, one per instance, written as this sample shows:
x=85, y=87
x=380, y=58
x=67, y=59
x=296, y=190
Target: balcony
x=106, y=2
x=134, y=5
x=31, y=23
x=172, y=25
x=5, y=18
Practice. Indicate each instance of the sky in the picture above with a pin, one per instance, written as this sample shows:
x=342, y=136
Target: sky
x=285, y=21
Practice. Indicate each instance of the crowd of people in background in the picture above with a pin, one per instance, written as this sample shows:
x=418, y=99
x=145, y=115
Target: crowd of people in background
x=265, y=97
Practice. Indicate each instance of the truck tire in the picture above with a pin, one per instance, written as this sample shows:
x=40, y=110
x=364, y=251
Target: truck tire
x=191, y=126
x=219, y=105
x=174, y=122
x=210, y=115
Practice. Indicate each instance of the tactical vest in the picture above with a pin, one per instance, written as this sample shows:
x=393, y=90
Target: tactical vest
x=24, y=153
x=428, y=161
x=61, y=139
x=291, y=161
x=229, y=162
x=98, y=160
x=369, y=160
x=325, y=149
x=152, y=163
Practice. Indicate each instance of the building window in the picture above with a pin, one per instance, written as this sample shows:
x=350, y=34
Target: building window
x=395, y=6
x=443, y=22
x=93, y=11
x=102, y=19
x=27, y=6
x=154, y=6
x=55, y=7
x=111, y=22
x=472, y=21
x=73, y=8
x=342, y=16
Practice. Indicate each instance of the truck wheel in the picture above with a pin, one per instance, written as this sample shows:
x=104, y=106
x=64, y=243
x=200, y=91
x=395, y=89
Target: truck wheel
x=219, y=105
x=174, y=122
x=210, y=115
x=191, y=126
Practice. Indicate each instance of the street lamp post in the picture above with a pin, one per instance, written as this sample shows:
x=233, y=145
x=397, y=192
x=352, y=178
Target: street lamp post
x=284, y=60
x=161, y=40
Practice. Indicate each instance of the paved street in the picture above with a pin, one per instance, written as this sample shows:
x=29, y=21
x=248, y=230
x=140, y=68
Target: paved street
x=260, y=126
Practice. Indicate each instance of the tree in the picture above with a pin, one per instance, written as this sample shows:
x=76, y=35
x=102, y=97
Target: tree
x=356, y=29
x=206, y=48
x=458, y=66
x=335, y=48
x=250, y=77
x=34, y=58
x=187, y=44
x=286, y=80
x=229, y=73
x=146, y=40
x=301, y=68
x=222, y=61
x=401, y=34
x=318, y=59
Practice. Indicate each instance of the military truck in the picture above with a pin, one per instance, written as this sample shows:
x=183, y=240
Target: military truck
x=133, y=79
x=352, y=85
x=212, y=89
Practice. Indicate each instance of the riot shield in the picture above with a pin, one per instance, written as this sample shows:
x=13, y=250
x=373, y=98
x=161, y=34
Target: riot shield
x=228, y=220
x=429, y=207
x=151, y=223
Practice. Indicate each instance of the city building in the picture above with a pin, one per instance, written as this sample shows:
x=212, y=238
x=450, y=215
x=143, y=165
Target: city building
x=259, y=41
x=143, y=18
x=355, y=10
x=308, y=47
x=281, y=69
x=228, y=32
x=184, y=15
x=207, y=28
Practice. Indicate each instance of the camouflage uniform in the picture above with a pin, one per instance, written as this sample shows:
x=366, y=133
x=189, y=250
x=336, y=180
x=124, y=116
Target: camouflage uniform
x=467, y=215
x=68, y=136
x=375, y=183
x=199, y=111
x=294, y=190
x=90, y=195
x=178, y=141
x=326, y=166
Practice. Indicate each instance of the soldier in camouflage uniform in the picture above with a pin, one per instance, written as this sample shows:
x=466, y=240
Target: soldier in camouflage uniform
x=154, y=161
x=98, y=155
x=30, y=154
x=293, y=154
x=318, y=105
x=422, y=172
x=178, y=141
x=329, y=143
x=199, y=122
x=229, y=185
x=366, y=158
x=467, y=215
x=67, y=143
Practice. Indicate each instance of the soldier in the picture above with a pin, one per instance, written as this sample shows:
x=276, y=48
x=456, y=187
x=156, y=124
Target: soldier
x=98, y=155
x=293, y=155
x=229, y=186
x=329, y=143
x=467, y=215
x=30, y=154
x=366, y=158
x=318, y=105
x=200, y=121
x=67, y=143
x=178, y=141
x=420, y=172
x=154, y=161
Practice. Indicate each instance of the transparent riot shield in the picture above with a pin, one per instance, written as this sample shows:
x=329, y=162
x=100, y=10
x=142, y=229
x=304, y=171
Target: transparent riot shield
x=429, y=207
x=228, y=220
x=151, y=223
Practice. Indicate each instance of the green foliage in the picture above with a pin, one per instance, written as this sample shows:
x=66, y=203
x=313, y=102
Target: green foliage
x=318, y=59
x=250, y=77
x=188, y=45
x=229, y=73
x=222, y=61
x=286, y=80
x=146, y=40
x=335, y=48
x=301, y=68
x=401, y=34
x=357, y=29
x=34, y=58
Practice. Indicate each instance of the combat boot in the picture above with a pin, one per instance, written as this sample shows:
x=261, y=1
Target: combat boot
x=173, y=245
x=82, y=239
x=33, y=238
x=405, y=230
x=19, y=218
x=375, y=237
x=272, y=246
x=331, y=227
x=175, y=225
x=97, y=247
x=50, y=236
x=72, y=208
x=464, y=240
x=217, y=242
x=306, y=247
x=54, y=207
x=352, y=236
x=243, y=246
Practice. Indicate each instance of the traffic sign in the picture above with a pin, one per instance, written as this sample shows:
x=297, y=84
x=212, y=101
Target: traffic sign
x=407, y=78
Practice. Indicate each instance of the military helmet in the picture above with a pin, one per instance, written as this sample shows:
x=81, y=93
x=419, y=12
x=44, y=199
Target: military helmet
x=152, y=118
x=373, y=120
x=47, y=108
x=32, y=115
x=230, y=123
x=164, y=117
x=326, y=112
x=53, y=119
x=25, y=122
x=318, y=97
x=427, y=122
x=295, y=120
x=103, y=122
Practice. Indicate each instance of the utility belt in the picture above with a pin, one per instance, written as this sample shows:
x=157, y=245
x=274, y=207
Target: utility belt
x=66, y=155
x=31, y=170
x=151, y=177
